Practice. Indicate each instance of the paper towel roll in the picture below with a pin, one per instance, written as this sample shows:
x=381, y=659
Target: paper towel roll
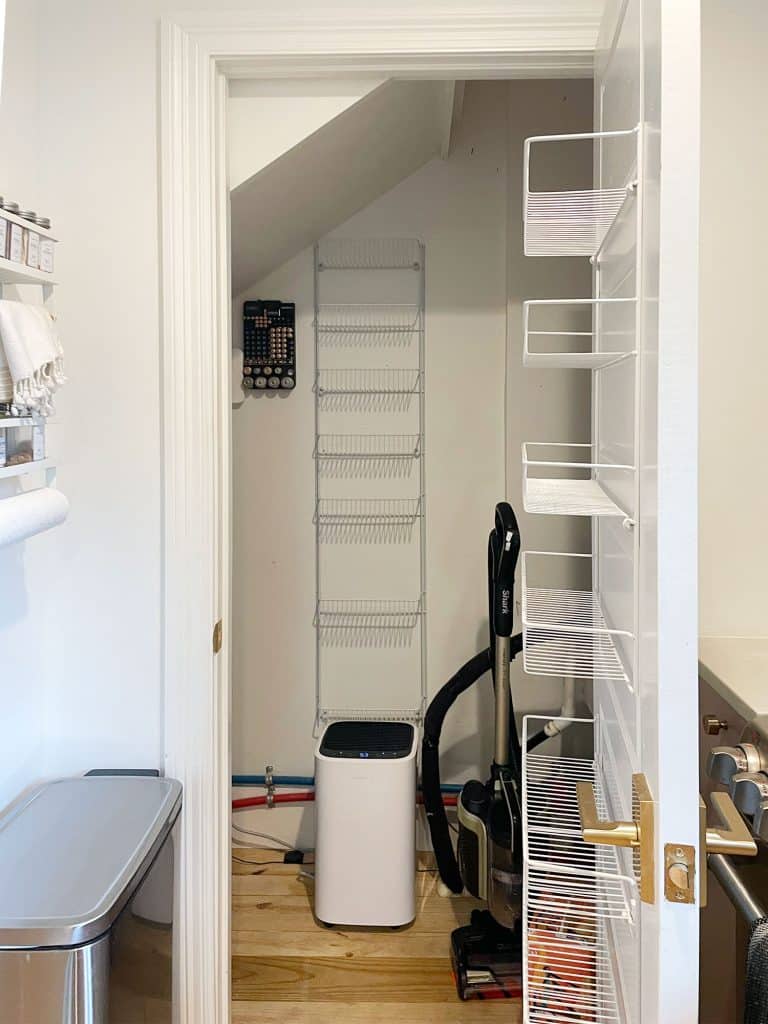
x=24, y=515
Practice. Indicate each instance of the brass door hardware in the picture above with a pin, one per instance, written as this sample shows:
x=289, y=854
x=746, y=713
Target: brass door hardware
x=218, y=636
x=713, y=725
x=680, y=873
x=637, y=834
x=731, y=837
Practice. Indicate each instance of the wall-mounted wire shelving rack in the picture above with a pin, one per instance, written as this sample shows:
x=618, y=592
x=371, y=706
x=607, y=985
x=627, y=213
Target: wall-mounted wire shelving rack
x=370, y=613
x=580, y=610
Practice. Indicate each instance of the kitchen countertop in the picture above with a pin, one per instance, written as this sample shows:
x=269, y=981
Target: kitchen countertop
x=737, y=669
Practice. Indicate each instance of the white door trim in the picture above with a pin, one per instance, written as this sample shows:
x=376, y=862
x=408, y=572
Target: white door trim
x=198, y=52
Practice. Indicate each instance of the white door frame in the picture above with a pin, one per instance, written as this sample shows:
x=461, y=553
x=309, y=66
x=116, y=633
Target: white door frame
x=199, y=52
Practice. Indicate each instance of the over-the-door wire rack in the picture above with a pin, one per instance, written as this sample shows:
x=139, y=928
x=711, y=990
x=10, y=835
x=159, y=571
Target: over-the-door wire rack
x=380, y=388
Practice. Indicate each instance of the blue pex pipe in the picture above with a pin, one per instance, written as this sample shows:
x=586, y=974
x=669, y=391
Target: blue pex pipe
x=300, y=780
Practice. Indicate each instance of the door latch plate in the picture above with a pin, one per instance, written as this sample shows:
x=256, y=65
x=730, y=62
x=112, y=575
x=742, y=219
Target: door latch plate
x=680, y=873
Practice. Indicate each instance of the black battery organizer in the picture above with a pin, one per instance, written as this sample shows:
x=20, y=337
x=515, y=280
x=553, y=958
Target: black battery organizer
x=269, y=345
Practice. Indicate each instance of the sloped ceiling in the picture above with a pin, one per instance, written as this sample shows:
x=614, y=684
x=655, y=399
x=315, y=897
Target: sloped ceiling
x=336, y=171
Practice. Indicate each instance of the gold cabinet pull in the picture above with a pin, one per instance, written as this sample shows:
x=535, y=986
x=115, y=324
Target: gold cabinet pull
x=636, y=834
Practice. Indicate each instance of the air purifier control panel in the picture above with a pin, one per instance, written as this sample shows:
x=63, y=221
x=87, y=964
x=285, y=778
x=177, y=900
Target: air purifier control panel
x=269, y=345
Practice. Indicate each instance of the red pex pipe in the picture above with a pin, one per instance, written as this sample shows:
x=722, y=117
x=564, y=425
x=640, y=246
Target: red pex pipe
x=302, y=798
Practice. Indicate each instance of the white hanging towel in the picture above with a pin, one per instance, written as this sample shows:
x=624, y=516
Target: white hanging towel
x=33, y=355
x=24, y=515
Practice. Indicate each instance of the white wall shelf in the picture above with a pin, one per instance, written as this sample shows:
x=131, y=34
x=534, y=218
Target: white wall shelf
x=25, y=468
x=13, y=422
x=560, y=479
x=17, y=273
x=569, y=222
x=575, y=894
x=549, y=343
x=565, y=632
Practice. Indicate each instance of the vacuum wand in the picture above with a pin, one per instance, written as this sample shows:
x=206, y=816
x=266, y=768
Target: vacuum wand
x=503, y=552
x=501, y=739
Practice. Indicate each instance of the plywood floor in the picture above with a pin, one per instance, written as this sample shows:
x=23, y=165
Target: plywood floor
x=288, y=969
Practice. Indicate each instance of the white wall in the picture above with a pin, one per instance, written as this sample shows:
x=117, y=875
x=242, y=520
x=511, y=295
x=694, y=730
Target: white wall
x=461, y=209
x=733, y=512
x=266, y=117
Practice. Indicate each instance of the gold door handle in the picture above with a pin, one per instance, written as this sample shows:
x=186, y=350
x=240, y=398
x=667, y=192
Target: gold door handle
x=595, y=830
x=733, y=835
x=636, y=834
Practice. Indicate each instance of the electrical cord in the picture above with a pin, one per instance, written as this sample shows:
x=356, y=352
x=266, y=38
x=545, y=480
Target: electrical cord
x=262, y=835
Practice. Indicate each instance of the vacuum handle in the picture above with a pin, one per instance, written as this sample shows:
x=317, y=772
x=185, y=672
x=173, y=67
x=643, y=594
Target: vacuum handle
x=504, y=550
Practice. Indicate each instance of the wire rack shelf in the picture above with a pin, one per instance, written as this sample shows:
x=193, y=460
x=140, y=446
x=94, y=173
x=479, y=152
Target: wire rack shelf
x=568, y=485
x=354, y=318
x=561, y=333
x=369, y=254
x=574, y=894
x=368, y=615
x=368, y=511
x=565, y=632
x=570, y=222
x=373, y=714
x=387, y=447
x=361, y=382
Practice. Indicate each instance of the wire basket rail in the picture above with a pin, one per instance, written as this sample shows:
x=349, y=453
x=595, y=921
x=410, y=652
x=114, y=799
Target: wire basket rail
x=565, y=632
x=550, y=341
x=569, y=222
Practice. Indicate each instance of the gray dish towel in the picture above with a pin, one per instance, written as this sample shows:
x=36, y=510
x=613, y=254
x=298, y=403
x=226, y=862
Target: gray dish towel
x=756, y=995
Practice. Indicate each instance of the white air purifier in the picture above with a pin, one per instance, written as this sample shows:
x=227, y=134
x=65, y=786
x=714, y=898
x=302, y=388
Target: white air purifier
x=365, y=805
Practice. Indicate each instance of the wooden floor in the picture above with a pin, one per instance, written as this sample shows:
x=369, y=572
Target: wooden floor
x=288, y=969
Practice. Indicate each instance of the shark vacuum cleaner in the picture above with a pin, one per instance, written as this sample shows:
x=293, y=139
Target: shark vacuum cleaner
x=488, y=862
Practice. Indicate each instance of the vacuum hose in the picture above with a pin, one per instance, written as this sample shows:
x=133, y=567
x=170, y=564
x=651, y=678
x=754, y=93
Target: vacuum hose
x=441, y=704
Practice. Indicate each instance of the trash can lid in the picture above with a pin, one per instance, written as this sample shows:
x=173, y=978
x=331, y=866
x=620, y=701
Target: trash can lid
x=74, y=852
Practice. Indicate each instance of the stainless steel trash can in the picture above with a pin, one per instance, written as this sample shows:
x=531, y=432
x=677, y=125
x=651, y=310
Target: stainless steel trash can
x=86, y=902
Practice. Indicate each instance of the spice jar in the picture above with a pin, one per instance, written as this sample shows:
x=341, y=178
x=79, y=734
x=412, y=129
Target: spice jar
x=46, y=246
x=31, y=245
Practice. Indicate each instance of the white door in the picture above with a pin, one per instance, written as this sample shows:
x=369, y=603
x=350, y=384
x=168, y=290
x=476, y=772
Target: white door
x=647, y=75
x=635, y=632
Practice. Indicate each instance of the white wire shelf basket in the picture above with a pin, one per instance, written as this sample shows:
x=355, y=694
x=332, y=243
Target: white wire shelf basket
x=565, y=632
x=394, y=619
x=570, y=222
x=359, y=383
x=367, y=520
x=369, y=254
x=367, y=390
x=414, y=715
x=561, y=333
x=575, y=895
x=562, y=479
x=352, y=447
x=400, y=321
x=368, y=511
